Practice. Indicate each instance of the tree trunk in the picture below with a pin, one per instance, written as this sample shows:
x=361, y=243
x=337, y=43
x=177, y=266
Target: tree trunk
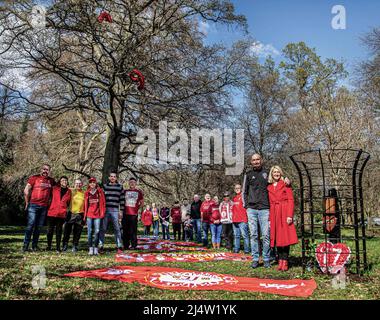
x=111, y=153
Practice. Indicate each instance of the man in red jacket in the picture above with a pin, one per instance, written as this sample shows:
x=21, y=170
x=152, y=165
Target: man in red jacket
x=133, y=200
x=94, y=211
x=240, y=221
x=37, y=194
x=60, y=201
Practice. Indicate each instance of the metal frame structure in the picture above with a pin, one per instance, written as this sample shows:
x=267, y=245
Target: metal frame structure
x=320, y=171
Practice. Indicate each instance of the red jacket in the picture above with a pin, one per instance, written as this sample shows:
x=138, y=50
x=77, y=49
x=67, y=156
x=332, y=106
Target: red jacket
x=147, y=218
x=215, y=214
x=206, y=210
x=281, y=207
x=89, y=209
x=176, y=215
x=239, y=213
x=58, y=207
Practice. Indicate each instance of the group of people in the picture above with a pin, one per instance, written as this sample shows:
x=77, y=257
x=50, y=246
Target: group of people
x=67, y=211
x=263, y=207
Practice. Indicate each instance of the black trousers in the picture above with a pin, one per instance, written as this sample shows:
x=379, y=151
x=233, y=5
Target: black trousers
x=54, y=223
x=75, y=224
x=177, y=230
x=183, y=231
x=283, y=252
x=129, y=226
x=228, y=235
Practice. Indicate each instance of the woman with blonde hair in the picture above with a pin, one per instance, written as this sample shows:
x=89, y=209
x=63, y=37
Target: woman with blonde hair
x=282, y=230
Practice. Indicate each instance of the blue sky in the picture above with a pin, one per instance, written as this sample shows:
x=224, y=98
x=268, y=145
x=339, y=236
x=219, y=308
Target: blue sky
x=274, y=23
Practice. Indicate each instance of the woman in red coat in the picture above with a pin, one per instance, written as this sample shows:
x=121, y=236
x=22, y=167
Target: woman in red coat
x=60, y=201
x=282, y=230
x=94, y=211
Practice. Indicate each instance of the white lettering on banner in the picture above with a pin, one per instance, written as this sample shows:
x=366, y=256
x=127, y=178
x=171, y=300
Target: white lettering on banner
x=278, y=286
x=189, y=279
x=118, y=272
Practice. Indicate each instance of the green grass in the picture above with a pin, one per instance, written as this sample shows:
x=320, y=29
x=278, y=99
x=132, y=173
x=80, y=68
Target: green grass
x=16, y=275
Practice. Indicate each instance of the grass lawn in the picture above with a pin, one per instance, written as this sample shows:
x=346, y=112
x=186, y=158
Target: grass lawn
x=16, y=275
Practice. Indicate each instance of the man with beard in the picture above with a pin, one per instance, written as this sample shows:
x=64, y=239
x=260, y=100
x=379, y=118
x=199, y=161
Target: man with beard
x=37, y=194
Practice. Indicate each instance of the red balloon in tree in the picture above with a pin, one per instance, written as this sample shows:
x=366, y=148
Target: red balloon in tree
x=105, y=16
x=137, y=76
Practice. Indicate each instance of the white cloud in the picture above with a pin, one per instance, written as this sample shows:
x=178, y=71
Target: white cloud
x=204, y=27
x=263, y=50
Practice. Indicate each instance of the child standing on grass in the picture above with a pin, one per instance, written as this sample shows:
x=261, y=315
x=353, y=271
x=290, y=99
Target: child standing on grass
x=215, y=224
x=94, y=212
x=164, y=219
x=188, y=227
x=147, y=220
x=226, y=220
x=156, y=220
x=175, y=214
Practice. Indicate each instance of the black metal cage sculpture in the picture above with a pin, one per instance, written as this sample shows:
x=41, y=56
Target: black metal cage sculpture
x=331, y=202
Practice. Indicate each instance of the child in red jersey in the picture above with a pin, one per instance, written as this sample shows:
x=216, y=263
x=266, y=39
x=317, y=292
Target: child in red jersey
x=240, y=221
x=94, y=211
x=176, y=216
x=147, y=220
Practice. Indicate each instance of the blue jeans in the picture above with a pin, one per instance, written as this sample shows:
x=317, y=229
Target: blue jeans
x=113, y=215
x=155, y=228
x=216, y=233
x=197, y=230
x=93, y=223
x=36, y=219
x=165, y=232
x=255, y=218
x=241, y=229
x=205, y=229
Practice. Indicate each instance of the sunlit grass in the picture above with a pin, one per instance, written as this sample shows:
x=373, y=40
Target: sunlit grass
x=16, y=275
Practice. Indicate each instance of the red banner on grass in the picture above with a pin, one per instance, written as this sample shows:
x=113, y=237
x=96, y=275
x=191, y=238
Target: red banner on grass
x=143, y=241
x=167, y=246
x=181, y=279
x=181, y=257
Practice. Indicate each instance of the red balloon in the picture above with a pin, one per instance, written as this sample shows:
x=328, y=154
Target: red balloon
x=137, y=76
x=105, y=16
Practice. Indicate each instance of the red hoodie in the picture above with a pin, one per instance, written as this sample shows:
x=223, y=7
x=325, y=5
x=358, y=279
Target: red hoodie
x=147, y=218
x=239, y=213
x=206, y=210
x=94, y=204
x=58, y=207
x=175, y=213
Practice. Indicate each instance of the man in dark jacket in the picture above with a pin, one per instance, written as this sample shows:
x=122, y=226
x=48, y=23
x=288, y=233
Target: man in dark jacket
x=256, y=201
x=195, y=214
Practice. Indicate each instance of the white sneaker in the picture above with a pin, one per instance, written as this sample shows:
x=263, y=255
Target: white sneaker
x=91, y=251
x=96, y=252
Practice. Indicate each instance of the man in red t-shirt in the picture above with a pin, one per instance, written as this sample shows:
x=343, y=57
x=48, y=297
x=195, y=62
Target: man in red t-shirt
x=133, y=200
x=240, y=221
x=37, y=194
